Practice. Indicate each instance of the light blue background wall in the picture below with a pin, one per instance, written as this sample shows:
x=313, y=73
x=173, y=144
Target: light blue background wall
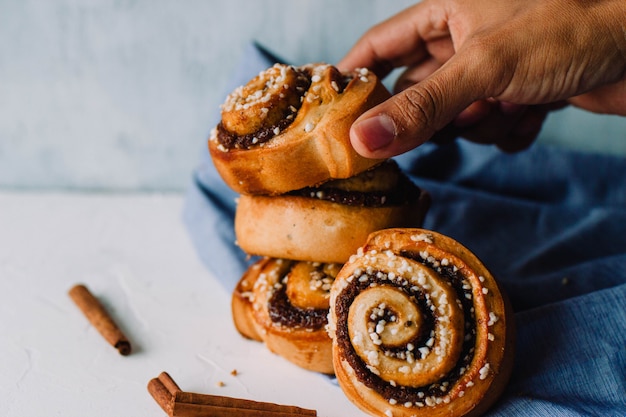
x=120, y=94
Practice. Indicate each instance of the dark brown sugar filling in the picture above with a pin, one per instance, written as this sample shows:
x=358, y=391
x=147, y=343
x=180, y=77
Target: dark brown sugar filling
x=234, y=141
x=404, y=193
x=230, y=140
x=282, y=312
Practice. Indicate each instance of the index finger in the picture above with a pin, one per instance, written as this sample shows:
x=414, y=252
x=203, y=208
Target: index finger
x=396, y=42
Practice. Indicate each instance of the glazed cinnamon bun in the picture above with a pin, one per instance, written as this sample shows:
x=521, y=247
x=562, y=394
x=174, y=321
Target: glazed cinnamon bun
x=330, y=222
x=420, y=327
x=285, y=304
x=288, y=128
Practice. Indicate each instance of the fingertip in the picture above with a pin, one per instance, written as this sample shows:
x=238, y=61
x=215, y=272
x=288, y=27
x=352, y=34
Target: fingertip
x=358, y=145
x=344, y=65
x=371, y=136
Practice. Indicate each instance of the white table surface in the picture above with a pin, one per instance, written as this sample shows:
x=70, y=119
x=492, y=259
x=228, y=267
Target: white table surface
x=133, y=252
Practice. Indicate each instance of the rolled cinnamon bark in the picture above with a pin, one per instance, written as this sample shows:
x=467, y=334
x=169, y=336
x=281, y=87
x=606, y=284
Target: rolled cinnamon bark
x=187, y=404
x=162, y=394
x=99, y=318
x=420, y=327
x=177, y=403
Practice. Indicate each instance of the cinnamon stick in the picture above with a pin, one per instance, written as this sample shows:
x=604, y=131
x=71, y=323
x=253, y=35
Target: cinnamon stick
x=161, y=395
x=177, y=403
x=99, y=318
x=196, y=410
x=188, y=404
x=168, y=383
x=163, y=388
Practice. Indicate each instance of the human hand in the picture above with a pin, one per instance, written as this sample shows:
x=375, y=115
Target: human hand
x=489, y=70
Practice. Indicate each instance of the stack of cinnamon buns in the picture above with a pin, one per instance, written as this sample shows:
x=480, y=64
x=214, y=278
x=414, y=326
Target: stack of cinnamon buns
x=344, y=282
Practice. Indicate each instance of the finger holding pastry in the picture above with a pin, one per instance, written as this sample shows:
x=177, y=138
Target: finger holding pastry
x=484, y=66
x=289, y=128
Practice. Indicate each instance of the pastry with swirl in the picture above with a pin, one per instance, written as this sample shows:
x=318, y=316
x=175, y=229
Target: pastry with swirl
x=330, y=222
x=284, y=304
x=420, y=327
x=288, y=128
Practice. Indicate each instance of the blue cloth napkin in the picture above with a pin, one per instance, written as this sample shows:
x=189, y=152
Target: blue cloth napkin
x=549, y=223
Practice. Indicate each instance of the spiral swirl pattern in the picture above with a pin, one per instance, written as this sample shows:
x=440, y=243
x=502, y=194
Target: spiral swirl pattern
x=255, y=112
x=288, y=128
x=285, y=304
x=419, y=327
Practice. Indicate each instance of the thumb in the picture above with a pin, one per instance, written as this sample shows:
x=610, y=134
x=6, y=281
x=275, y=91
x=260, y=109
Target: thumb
x=412, y=116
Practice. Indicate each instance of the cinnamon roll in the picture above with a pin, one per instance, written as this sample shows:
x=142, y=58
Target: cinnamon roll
x=419, y=327
x=330, y=222
x=284, y=304
x=288, y=128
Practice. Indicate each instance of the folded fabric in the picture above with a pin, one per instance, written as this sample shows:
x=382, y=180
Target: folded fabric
x=549, y=223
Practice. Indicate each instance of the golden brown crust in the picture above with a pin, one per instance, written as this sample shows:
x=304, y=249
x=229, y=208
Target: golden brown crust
x=264, y=101
x=329, y=223
x=241, y=303
x=309, y=229
x=290, y=321
x=314, y=148
x=431, y=303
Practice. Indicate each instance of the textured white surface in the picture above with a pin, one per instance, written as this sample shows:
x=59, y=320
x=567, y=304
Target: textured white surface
x=104, y=94
x=133, y=253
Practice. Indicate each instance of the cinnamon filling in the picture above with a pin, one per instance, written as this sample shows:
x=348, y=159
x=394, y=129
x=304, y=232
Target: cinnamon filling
x=404, y=193
x=232, y=140
x=405, y=394
x=381, y=186
x=283, y=312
